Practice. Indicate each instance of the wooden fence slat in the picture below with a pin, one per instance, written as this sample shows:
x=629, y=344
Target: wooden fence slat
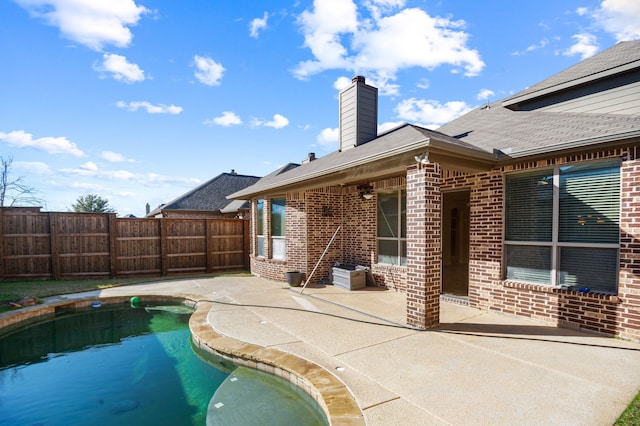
x=58, y=245
x=113, y=247
x=55, y=249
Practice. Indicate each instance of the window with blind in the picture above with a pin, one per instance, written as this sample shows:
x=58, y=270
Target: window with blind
x=260, y=228
x=278, y=243
x=562, y=226
x=392, y=227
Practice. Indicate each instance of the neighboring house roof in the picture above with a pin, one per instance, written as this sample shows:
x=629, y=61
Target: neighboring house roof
x=483, y=137
x=211, y=195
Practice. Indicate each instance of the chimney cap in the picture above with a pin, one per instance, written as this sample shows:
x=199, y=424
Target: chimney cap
x=358, y=79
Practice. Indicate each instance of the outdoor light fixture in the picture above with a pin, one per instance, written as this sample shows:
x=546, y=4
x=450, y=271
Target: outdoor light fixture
x=365, y=192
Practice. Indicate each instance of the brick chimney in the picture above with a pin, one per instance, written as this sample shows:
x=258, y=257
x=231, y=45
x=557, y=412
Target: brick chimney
x=358, y=119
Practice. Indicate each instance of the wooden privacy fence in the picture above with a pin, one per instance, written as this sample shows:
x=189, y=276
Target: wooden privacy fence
x=36, y=244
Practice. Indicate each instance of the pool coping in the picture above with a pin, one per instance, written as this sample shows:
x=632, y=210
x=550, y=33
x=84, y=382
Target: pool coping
x=332, y=395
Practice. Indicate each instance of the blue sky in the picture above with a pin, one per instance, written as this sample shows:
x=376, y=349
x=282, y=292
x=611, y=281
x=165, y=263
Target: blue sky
x=139, y=101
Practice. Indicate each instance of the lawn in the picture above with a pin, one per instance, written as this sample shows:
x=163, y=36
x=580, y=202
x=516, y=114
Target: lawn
x=15, y=291
x=631, y=416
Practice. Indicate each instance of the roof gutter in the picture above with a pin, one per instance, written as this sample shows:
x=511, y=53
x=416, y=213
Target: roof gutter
x=405, y=155
x=575, y=145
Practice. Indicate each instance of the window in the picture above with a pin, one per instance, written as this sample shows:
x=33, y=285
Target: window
x=562, y=226
x=392, y=228
x=260, y=228
x=278, y=228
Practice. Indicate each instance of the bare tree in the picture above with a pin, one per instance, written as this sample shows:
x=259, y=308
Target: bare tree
x=13, y=191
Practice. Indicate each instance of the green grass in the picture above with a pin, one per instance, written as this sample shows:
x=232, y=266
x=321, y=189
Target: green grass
x=38, y=289
x=630, y=416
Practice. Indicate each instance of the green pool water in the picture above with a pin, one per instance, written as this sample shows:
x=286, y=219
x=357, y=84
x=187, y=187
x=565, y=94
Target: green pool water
x=133, y=366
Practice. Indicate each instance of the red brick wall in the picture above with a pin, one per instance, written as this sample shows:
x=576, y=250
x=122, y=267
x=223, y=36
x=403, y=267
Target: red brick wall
x=614, y=315
x=265, y=266
x=356, y=243
x=423, y=245
x=324, y=212
x=627, y=313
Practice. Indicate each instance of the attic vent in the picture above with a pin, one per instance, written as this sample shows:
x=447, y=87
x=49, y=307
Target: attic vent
x=310, y=158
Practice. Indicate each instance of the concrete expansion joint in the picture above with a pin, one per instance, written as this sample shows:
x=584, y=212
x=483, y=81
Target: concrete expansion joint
x=378, y=343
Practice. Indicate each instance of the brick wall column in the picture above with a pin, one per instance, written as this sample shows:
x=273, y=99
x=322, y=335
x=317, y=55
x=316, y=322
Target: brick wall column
x=423, y=245
x=628, y=312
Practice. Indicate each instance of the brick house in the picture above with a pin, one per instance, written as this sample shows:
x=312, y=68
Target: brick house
x=528, y=206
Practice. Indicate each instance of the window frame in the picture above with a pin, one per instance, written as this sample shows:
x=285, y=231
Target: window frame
x=278, y=240
x=400, y=240
x=555, y=244
x=261, y=249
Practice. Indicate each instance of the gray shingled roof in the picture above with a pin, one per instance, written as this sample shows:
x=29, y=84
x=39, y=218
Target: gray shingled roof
x=357, y=163
x=519, y=133
x=491, y=133
x=624, y=55
x=211, y=195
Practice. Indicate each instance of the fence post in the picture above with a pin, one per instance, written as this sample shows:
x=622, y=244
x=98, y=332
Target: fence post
x=207, y=245
x=55, y=245
x=113, y=246
x=164, y=249
x=2, y=260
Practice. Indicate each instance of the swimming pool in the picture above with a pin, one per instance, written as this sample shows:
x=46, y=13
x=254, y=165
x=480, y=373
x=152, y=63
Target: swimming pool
x=122, y=365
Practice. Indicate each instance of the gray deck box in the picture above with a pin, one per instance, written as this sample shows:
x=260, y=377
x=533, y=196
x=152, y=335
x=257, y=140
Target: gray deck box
x=348, y=278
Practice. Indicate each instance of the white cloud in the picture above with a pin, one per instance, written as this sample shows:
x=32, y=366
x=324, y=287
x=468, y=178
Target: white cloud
x=156, y=180
x=33, y=167
x=341, y=83
x=208, y=72
x=322, y=30
x=87, y=186
x=532, y=47
x=423, y=83
x=51, y=145
x=257, y=25
x=388, y=125
x=278, y=122
x=90, y=169
x=150, y=108
x=329, y=137
x=119, y=68
x=91, y=23
x=485, y=94
x=115, y=157
x=430, y=112
x=90, y=166
x=581, y=11
x=585, y=46
x=382, y=43
x=620, y=18
x=228, y=118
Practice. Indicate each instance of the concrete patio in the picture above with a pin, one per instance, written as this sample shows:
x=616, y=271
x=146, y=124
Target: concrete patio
x=476, y=368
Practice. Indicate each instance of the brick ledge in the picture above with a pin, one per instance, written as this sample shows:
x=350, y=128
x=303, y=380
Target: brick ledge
x=541, y=288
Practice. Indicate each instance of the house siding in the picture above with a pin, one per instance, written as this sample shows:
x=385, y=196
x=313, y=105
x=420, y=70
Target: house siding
x=619, y=95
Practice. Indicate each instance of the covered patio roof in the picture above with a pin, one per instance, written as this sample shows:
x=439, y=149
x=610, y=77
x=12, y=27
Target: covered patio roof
x=386, y=156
